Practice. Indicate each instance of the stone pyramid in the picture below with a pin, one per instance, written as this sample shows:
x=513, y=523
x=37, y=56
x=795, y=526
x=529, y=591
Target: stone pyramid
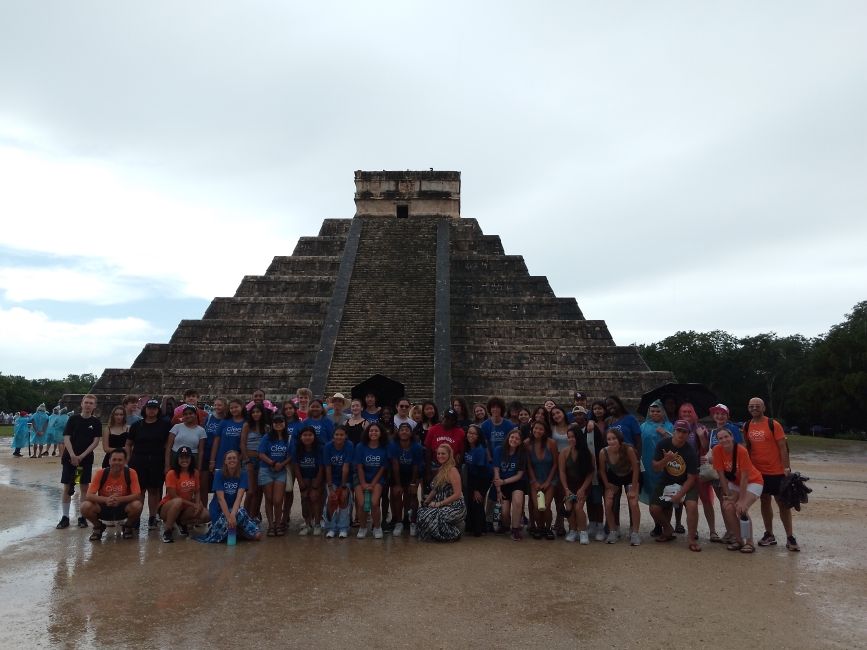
x=407, y=288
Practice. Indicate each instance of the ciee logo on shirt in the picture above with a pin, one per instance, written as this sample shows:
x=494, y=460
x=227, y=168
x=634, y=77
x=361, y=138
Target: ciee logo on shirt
x=371, y=459
x=187, y=484
x=114, y=490
x=230, y=486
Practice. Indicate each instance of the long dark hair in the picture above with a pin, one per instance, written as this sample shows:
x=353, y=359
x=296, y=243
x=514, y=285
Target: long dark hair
x=592, y=415
x=365, y=437
x=436, y=416
x=480, y=437
x=585, y=458
x=520, y=453
x=262, y=426
x=295, y=417
x=620, y=406
x=191, y=471
x=301, y=449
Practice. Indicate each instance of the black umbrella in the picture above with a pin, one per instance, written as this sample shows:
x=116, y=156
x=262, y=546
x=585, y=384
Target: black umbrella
x=699, y=395
x=387, y=390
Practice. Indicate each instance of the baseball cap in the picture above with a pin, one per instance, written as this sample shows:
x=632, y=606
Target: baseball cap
x=579, y=395
x=450, y=413
x=683, y=425
x=719, y=407
x=339, y=396
x=152, y=402
x=579, y=409
x=185, y=451
x=189, y=407
x=278, y=418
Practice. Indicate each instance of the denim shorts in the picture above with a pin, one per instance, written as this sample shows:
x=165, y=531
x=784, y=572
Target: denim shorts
x=268, y=475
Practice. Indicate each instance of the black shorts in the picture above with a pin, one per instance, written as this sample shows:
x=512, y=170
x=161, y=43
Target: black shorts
x=772, y=484
x=508, y=488
x=150, y=472
x=618, y=480
x=404, y=478
x=112, y=513
x=67, y=475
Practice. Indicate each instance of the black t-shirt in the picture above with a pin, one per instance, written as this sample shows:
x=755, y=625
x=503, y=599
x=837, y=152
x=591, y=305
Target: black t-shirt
x=81, y=432
x=149, y=438
x=684, y=465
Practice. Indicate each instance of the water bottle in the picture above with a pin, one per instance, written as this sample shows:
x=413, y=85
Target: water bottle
x=78, y=475
x=497, y=509
x=367, y=501
x=232, y=539
x=746, y=527
x=540, y=501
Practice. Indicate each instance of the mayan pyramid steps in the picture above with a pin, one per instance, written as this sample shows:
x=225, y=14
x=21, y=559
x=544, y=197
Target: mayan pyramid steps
x=407, y=288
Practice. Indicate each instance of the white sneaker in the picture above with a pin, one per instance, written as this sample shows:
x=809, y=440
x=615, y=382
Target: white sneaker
x=413, y=530
x=304, y=530
x=635, y=539
x=317, y=530
x=342, y=534
x=362, y=533
x=377, y=533
x=571, y=536
x=330, y=534
x=600, y=533
x=612, y=537
x=398, y=530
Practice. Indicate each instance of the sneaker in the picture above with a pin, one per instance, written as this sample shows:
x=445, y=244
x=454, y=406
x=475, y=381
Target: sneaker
x=342, y=534
x=152, y=523
x=398, y=529
x=330, y=534
x=583, y=538
x=600, y=534
x=571, y=536
x=792, y=544
x=16, y=453
x=183, y=530
x=82, y=522
x=635, y=539
x=612, y=538
x=768, y=540
x=136, y=525
x=377, y=533
x=362, y=533
x=304, y=530
x=167, y=537
x=317, y=531
x=413, y=530
x=63, y=523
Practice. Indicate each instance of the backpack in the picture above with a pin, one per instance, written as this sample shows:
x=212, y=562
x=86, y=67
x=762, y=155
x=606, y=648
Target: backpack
x=126, y=476
x=747, y=442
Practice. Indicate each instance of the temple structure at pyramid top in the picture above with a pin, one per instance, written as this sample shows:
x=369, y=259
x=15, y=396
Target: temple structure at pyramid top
x=406, y=288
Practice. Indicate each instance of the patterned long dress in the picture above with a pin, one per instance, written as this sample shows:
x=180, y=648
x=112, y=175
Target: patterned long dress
x=443, y=524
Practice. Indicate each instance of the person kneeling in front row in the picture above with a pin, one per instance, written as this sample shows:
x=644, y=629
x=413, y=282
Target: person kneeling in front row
x=113, y=495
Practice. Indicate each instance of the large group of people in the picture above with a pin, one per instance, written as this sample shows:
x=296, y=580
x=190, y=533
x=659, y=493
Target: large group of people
x=405, y=468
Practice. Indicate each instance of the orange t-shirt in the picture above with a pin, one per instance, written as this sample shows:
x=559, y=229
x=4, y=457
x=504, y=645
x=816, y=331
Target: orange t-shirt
x=722, y=462
x=114, y=486
x=764, y=451
x=186, y=487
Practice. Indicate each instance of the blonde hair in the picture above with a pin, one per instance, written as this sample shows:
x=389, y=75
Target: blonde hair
x=442, y=475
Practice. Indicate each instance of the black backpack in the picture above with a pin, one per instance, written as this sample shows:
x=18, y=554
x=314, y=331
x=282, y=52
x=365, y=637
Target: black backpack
x=126, y=476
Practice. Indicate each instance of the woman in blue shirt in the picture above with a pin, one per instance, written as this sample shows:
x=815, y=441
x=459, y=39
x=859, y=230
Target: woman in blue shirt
x=407, y=457
x=293, y=427
x=230, y=484
x=274, y=457
x=338, y=458
x=309, y=474
x=478, y=479
x=371, y=458
x=510, y=479
x=322, y=425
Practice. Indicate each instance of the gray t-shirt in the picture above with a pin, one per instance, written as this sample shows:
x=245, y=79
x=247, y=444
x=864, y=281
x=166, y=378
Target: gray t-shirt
x=187, y=437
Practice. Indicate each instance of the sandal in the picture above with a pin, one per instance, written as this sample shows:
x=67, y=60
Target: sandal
x=96, y=535
x=272, y=532
x=715, y=539
x=280, y=530
x=695, y=547
x=665, y=538
x=748, y=548
x=735, y=546
x=728, y=539
x=127, y=532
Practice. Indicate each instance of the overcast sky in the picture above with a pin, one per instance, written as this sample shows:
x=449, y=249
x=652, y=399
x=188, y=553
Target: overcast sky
x=671, y=165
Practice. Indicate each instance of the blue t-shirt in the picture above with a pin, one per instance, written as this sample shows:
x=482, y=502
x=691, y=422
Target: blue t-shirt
x=735, y=431
x=370, y=417
x=371, y=459
x=630, y=429
x=508, y=466
x=275, y=449
x=337, y=458
x=229, y=487
x=308, y=461
x=212, y=429
x=406, y=458
x=230, y=439
x=324, y=428
x=476, y=462
x=496, y=434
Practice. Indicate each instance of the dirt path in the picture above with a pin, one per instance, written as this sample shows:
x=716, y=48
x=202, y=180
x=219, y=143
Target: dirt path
x=488, y=592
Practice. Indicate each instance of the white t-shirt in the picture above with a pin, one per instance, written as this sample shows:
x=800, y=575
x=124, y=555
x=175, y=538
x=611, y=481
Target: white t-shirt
x=187, y=436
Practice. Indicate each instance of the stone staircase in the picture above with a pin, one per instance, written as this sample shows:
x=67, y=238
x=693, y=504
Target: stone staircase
x=511, y=336
x=388, y=317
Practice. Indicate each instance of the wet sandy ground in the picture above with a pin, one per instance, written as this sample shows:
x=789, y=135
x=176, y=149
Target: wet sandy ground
x=59, y=590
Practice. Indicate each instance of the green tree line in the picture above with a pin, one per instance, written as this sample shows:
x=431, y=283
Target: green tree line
x=21, y=394
x=805, y=382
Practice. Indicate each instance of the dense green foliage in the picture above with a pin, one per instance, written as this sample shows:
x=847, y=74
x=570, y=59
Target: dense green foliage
x=20, y=394
x=804, y=382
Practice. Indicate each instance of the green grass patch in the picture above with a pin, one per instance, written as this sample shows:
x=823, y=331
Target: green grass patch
x=6, y=431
